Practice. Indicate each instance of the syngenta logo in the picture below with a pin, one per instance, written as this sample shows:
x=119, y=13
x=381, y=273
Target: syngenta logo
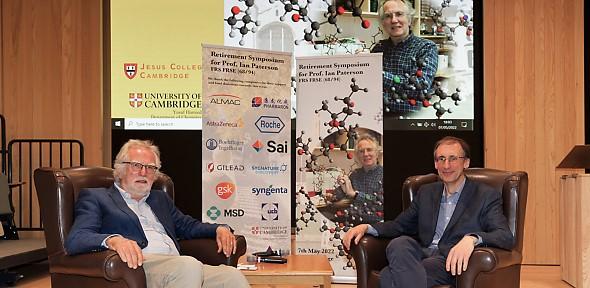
x=269, y=124
x=269, y=190
x=225, y=189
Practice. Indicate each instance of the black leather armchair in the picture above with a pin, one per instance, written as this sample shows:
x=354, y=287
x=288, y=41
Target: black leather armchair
x=488, y=267
x=58, y=190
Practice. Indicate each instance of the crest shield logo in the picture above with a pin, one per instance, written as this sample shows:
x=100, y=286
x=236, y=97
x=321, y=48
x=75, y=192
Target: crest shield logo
x=135, y=99
x=130, y=70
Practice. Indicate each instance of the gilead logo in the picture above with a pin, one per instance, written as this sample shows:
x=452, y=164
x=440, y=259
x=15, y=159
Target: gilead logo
x=225, y=189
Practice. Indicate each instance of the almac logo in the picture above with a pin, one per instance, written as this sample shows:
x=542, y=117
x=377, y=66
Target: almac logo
x=269, y=124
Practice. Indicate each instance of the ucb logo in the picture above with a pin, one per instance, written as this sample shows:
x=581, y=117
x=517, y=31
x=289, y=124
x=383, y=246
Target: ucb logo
x=270, y=211
x=233, y=212
x=225, y=99
x=274, y=147
x=225, y=189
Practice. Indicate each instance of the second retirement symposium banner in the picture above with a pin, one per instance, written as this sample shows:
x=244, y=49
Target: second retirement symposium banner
x=246, y=150
x=339, y=101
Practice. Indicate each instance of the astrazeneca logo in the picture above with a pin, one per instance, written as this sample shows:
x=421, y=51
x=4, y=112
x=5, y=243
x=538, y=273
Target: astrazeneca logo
x=224, y=167
x=225, y=99
x=269, y=190
x=225, y=189
x=269, y=124
x=270, y=211
x=213, y=213
x=135, y=99
x=130, y=70
x=211, y=144
x=256, y=101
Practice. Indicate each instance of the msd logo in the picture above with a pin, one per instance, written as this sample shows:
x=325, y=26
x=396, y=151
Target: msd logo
x=224, y=190
x=269, y=124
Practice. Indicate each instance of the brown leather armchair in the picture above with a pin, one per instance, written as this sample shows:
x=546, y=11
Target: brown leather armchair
x=58, y=190
x=488, y=267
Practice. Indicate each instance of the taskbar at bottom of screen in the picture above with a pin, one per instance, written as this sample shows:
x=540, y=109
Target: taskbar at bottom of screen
x=428, y=124
x=156, y=124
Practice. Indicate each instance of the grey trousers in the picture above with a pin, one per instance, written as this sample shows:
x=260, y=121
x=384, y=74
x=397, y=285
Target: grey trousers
x=412, y=266
x=186, y=271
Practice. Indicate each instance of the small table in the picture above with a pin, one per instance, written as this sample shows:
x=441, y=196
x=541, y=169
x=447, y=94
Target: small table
x=299, y=270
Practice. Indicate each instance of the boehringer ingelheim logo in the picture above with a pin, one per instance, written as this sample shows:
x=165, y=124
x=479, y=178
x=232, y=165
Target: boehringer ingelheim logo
x=211, y=144
x=269, y=124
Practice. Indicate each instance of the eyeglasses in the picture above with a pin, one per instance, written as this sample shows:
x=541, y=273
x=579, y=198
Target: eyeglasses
x=136, y=167
x=452, y=159
x=389, y=15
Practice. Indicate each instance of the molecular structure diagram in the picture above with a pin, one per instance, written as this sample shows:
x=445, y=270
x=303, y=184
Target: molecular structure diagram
x=299, y=12
x=442, y=27
x=331, y=42
x=336, y=123
x=415, y=92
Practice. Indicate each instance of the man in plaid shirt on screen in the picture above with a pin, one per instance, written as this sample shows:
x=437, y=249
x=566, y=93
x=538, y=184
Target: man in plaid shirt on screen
x=403, y=54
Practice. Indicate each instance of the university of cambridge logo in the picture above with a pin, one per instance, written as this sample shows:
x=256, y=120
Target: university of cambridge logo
x=130, y=70
x=135, y=99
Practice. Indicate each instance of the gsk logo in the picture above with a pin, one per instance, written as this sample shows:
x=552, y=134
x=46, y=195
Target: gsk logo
x=225, y=189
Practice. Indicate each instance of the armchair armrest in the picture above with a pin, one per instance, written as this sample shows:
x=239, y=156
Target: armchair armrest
x=205, y=250
x=487, y=259
x=369, y=255
x=106, y=264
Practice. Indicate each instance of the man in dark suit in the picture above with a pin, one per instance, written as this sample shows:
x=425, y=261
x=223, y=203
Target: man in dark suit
x=142, y=225
x=435, y=236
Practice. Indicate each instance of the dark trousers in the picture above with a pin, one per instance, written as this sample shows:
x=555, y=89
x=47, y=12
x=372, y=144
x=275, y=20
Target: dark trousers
x=411, y=265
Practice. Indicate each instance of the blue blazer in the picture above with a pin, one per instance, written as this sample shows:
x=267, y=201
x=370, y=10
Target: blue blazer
x=478, y=211
x=101, y=212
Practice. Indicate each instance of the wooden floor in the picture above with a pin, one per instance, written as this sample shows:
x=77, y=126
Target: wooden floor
x=36, y=276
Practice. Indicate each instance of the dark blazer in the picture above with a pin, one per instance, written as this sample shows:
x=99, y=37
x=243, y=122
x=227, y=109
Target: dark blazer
x=479, y=211
x=101, y=212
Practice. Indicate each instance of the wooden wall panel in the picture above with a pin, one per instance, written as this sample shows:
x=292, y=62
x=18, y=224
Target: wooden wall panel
x=51, y=71
x=533, y=106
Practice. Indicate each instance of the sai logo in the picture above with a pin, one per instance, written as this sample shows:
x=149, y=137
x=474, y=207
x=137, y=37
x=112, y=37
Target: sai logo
x=135, y=99
x=211, y=144
x=256, y=101
x=257, y=145
x=270, y=211
x=213, y=213
x=130, y=70
x=225, y=189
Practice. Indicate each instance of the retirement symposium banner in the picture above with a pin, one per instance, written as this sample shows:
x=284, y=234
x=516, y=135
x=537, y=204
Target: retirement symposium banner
x=155, y=61
x=339, y=100
x=246, y=149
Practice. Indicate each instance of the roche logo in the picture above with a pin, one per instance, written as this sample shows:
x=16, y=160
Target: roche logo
x=269, y=124
x=225, y=189
x=213, y=213
x=270, y=211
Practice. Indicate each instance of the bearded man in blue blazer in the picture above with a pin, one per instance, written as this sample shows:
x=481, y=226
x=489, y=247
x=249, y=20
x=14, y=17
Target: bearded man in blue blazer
x=142, y=225
x=435, y=236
